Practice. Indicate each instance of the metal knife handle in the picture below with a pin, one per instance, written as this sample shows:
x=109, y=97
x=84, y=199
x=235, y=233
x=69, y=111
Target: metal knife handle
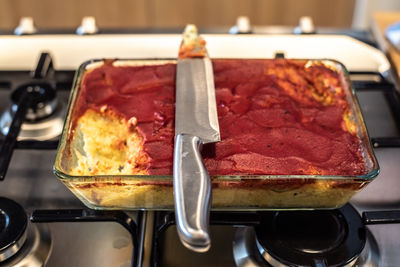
x=192, y=193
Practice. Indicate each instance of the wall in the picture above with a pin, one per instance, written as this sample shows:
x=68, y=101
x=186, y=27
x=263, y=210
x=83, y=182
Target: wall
x=174, y=13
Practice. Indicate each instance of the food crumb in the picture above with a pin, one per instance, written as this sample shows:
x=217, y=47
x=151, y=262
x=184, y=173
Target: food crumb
x=103, y=109
x=132, y=122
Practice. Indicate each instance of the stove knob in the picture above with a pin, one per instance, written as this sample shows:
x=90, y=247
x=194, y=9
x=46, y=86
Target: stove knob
x=88, y=26
x=26, y=26
x=306, y=26
x=242, y=26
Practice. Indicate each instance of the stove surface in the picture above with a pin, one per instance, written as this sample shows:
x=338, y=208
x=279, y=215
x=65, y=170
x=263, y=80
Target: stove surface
x=31, y=183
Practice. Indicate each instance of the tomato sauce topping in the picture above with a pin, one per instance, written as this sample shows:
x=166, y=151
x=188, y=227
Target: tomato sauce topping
x=276, y=116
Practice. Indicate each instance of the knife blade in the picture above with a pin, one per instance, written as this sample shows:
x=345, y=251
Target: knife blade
x=196, y=110
x=196, y=123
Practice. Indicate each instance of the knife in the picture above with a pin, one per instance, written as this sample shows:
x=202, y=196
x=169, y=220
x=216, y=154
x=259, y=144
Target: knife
x=196, y=123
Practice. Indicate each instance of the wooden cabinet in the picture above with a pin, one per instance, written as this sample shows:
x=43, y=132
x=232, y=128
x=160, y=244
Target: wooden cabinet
x=174, y=13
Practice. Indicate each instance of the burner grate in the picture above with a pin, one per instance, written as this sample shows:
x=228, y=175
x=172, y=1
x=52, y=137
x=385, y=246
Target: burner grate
x=374, y=82
x=87, y=215
x=33, y=101
x=62, y=80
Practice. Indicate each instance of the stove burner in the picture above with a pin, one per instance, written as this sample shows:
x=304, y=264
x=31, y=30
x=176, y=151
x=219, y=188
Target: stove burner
x=13, y=222
x=45, y=116
x=43, y=100
x=37, y=106
x=310, y=237
x=21, y=242
x=307, y=238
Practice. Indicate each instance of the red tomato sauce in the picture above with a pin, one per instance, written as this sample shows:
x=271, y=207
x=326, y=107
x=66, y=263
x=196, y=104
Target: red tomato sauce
x=275, y=116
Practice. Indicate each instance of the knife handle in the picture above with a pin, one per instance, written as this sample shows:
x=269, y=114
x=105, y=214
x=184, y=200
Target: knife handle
x=192, y=193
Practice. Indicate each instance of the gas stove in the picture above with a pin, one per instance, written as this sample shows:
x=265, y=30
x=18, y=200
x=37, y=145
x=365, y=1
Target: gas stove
x=45, y=224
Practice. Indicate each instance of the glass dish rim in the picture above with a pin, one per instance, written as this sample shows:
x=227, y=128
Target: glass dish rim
x=369, y=176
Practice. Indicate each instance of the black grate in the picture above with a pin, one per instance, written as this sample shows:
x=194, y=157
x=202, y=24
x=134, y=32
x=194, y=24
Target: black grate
x=62, y=80
x=375, y=82
x=87, y=215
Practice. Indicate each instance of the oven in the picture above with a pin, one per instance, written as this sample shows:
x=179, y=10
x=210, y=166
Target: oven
x=43, y=223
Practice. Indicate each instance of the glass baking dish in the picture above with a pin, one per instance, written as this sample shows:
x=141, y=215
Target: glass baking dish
x=248, y=192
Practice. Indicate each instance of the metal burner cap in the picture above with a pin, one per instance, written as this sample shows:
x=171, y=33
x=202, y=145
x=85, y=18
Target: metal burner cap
x=311, y=238
x=43, y=100
x=13, y=223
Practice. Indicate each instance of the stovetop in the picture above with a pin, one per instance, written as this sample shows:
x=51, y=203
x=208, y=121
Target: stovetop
x=31, y=183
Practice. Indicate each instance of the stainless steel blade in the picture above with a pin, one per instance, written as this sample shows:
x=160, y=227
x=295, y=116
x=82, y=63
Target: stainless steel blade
x=196, y=110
